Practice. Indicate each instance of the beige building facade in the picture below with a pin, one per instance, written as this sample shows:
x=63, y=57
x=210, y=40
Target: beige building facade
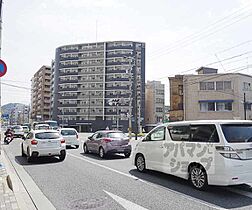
x=40, y=95
x=154, y=102
x=217, y=96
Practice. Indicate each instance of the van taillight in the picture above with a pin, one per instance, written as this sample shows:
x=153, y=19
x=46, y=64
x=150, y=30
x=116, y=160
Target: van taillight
x=106, y=140
x=227, y=152
x=62, y=141
x=34, y=142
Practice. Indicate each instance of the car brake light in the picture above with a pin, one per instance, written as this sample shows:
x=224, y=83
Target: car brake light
x=106, y=140
x=62, y=141
x=34, y=142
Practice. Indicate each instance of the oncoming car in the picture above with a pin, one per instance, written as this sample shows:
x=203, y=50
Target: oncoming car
x=43, y=143
x=214, y=152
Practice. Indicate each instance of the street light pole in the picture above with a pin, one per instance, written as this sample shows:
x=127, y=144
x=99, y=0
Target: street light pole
x=244, y=105
x=130, y=96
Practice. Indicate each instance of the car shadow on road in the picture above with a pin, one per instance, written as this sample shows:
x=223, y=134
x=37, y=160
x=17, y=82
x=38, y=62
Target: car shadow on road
x=71, y=147
x=37, y=161
x=215, y=195
x=107, y=157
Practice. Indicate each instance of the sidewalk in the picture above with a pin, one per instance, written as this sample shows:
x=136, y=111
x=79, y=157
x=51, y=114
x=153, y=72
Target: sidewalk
x=8, y=199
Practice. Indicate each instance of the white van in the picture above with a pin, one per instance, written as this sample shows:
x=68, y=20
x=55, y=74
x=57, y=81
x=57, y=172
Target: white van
x=214, y=152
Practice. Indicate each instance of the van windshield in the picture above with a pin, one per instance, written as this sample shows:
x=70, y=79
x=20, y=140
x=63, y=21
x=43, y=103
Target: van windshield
x=237, y=133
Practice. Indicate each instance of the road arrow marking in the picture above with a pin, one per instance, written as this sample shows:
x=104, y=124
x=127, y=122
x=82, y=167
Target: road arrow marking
x=128, y=205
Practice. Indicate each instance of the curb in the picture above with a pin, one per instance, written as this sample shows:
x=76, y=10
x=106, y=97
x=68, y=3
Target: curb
x=14, y=183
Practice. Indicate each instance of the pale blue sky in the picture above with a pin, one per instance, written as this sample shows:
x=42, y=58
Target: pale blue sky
x=33, y=29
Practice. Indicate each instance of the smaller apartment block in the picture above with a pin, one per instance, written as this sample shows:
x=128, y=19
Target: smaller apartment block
x=210, y=95
x=40, y=96
x=154, y=102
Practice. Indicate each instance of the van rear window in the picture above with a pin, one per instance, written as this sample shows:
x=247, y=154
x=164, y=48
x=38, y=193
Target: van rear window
x=237, y=133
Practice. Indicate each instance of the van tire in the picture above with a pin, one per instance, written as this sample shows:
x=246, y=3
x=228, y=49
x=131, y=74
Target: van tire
x=140, y=163
x=198, y=177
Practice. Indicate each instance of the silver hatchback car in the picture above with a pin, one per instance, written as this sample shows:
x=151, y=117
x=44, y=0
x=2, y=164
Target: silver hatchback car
x=107, y=142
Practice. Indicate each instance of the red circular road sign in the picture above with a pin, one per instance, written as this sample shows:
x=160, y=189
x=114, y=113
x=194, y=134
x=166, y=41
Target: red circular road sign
x=3, y=68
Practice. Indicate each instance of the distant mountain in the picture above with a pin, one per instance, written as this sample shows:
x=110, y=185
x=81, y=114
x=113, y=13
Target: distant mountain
x=7, y=108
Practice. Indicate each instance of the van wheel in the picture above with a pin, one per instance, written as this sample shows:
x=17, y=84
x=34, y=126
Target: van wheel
x=140, y=163
x=198, y=177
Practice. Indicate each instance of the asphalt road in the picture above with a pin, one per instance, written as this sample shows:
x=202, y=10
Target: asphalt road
x=88, y=182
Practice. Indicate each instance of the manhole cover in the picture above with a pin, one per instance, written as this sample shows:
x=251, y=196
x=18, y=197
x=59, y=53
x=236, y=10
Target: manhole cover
x=87, y=204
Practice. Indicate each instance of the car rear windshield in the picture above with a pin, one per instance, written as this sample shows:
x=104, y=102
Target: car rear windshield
x=68, y=132
x=116, y=135
x=237, y=133
x=47, y=135
x=17, y=127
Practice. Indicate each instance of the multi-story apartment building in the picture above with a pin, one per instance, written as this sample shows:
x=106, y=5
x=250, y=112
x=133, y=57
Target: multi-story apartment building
x=99, y=85
x=210, y=95
x=154, y=102
x=40, y=95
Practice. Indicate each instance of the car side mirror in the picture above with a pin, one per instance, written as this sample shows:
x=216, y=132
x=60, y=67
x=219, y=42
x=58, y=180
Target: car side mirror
x=90, y=137
x=23, y=138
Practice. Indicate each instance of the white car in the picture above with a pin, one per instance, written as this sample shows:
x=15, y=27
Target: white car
x=71, y=136
x=43, y=143
x=18, y=131
x=42, y=127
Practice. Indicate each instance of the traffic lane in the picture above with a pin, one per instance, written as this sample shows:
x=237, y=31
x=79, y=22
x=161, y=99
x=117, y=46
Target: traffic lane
x=167, y=182
x=63, y=183
x=75, y=181
x=215, y=195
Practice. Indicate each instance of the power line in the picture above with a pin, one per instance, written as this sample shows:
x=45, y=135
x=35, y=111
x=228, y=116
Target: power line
x=16, y=86
x=195, y=39
x=209, y=64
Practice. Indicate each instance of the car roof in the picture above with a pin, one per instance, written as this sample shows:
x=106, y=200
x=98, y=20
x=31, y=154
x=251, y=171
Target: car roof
x=45, y=131
x=206, y=122
x=110, y=131
x=62, y=129
x=42, y=125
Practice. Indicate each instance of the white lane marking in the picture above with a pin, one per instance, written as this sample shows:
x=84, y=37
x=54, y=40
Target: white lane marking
x=128, y=205
x=149, y=183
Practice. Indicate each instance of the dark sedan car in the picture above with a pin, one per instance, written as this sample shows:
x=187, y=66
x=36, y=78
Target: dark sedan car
x=108, y=142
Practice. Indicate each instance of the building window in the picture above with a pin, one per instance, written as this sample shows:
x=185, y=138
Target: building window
x=206, y=85
x=215, y=106
x=246, y=86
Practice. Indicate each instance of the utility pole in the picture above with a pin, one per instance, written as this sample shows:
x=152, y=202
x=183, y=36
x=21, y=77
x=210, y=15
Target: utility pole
x=1, y=3
x=88, y=104
x=244, y=105
x=136, y=105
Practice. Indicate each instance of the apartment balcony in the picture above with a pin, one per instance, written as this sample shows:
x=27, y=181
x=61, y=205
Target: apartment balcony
x=113, y=55
x=67, y=97
x=68, y=81
x=69, y=58
x=67, y=105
